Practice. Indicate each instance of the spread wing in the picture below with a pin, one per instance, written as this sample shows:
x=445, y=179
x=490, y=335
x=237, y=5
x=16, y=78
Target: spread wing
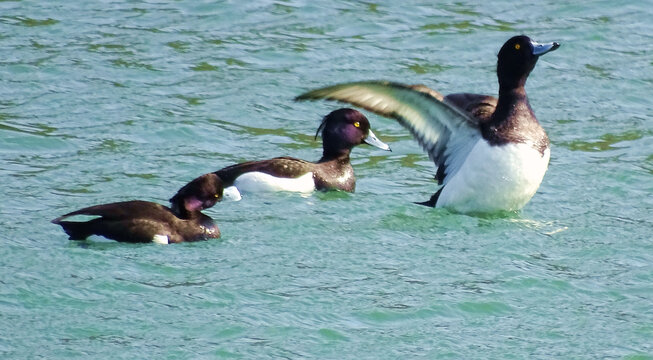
x=446, y=132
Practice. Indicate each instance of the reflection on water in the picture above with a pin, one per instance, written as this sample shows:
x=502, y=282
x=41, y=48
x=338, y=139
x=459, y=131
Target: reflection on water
x=607, y=141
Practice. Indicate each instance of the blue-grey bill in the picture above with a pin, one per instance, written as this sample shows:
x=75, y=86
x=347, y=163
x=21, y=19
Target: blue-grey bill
x=371, y=139
x=541, y=49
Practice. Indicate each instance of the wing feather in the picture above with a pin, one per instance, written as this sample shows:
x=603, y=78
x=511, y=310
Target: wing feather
x=438, y=125
x=119, y=210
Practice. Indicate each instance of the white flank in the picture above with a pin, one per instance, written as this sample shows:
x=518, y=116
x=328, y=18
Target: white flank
x=160, y=239
x=495, y=178
x=257, y=181
x=231, y=193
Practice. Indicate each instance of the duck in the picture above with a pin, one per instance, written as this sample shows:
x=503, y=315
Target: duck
x=491, y=153
x=341, y=129
x=138, y=221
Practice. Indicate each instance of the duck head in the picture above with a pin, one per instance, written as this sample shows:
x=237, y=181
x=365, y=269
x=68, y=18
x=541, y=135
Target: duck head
x=517, y=58
x=345, y=128
x=199, y=194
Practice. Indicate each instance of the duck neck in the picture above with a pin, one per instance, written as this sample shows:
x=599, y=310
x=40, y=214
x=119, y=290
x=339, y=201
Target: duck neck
x=513, y=77
x=510, y=84
x=180, y=211
x=513, y=120
x=512, y=101
x=335, y=154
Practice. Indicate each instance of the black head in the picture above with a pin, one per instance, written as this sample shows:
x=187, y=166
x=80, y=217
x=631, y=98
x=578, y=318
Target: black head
x=199, y=194
x=518, y=57
x=345, y=128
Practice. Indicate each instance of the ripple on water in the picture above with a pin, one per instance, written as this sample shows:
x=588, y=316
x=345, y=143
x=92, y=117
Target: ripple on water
x=104, y=102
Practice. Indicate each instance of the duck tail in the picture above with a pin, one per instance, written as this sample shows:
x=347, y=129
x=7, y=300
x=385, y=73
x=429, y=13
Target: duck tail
x=75, y=230
x=432, y=201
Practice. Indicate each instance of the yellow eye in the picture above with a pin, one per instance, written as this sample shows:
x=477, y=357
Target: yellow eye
x=357, y=124
x=216, y=196
x=517, y=46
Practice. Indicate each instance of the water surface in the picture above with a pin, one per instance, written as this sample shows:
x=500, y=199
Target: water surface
x=110, y=101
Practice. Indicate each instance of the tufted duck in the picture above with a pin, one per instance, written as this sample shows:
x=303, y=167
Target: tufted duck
x=143, y=221
x=491, y=153
x=342, y=129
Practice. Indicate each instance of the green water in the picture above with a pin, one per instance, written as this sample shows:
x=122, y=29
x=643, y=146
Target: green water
x=109, y=101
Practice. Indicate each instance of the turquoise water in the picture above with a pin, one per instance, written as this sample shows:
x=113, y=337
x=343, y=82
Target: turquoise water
x=109, y=101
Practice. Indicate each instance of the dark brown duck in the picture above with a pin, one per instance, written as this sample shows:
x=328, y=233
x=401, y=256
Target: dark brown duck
x=139, y=221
